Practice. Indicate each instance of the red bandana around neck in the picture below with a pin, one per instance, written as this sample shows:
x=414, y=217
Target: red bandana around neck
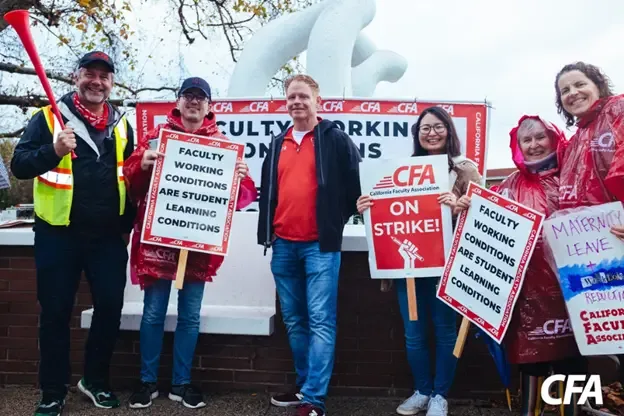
x=98, y=122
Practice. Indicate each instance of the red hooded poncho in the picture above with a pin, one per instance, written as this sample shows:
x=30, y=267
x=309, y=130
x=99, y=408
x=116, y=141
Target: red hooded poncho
x=147, y=261
x=592, y=165
x=540, y=328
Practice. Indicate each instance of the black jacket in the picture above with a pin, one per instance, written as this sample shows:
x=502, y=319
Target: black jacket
x=95, y=200
x=338, y=176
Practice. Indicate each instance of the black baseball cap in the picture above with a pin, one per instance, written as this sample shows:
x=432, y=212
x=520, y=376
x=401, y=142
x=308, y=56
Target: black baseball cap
x=195, y=82
x=96, y=56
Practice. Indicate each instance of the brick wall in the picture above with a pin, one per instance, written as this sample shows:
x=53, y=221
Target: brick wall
x=370, y=357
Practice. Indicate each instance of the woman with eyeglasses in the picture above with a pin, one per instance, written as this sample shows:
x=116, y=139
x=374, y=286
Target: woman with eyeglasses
x=434, y=133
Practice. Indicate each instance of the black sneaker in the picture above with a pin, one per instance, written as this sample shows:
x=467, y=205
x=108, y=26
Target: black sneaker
x=101, y=397
x=307, y=409
x=143, y=396
x=287, y=400
x=51, y=404
x=189, y=395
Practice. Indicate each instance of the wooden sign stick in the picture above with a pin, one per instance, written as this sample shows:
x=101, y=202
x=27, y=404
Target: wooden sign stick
x=179, y=281
x=411, y=299
x=411, y=293
x=461, y=337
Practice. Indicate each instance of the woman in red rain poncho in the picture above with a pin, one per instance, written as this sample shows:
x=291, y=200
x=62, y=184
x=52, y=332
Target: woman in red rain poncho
x=539, y=335
x=592, y=165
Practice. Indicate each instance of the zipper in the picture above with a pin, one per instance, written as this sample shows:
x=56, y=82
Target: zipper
x=320, y=154
x=268, y=218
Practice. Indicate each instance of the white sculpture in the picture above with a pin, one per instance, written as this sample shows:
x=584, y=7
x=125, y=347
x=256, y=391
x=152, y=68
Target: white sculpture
x=344, y=61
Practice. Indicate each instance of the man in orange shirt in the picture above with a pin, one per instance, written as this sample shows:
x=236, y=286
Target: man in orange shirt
x=310, y=185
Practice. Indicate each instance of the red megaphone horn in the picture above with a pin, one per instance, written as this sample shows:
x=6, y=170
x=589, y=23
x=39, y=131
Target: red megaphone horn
x=19, y=20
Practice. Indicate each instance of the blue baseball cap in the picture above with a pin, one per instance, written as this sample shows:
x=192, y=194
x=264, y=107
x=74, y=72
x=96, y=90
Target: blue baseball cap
x=195, y=82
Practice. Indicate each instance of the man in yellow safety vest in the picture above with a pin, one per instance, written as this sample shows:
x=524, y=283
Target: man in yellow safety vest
x=81, y=215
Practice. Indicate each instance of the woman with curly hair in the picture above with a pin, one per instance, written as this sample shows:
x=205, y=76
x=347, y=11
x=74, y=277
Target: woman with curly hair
x=592, y=165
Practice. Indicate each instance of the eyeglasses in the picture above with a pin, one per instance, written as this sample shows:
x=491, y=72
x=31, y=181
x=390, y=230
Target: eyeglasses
x=426, y=128
x=190, y=97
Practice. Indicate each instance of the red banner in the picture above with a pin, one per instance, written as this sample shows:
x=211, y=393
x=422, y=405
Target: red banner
x=379, y=128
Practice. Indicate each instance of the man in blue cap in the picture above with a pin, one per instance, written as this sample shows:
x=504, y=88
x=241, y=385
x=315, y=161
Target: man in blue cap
x=154, y=267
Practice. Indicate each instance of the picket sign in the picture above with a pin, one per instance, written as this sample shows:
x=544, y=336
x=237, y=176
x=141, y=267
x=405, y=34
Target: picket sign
x=494, y=241
x=193, y=195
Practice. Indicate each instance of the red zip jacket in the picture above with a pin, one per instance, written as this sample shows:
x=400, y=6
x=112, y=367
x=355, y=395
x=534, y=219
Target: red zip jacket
x=148, y=261
x=540, y=328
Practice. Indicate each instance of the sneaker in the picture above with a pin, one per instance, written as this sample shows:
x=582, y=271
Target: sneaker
x=189, y=395
x=437, y=406
x=307, y=409
x=50, y=405
x=414, y=404
x=143, y=396
x=101, y=397
x=287, y=400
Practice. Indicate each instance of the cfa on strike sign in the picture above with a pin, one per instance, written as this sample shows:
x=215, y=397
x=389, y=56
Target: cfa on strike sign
x=408, y=232
x=193, y=193
x=493, y=244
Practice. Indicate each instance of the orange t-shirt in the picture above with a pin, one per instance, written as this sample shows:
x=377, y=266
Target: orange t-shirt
x=295, y=214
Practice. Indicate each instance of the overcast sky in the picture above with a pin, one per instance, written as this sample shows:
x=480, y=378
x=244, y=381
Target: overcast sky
x=507, y=52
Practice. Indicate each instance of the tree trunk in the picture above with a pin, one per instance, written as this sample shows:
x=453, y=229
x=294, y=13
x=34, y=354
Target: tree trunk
x=8, y=5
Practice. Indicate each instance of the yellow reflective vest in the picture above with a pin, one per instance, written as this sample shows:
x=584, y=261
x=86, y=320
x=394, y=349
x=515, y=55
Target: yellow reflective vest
x=53, y=190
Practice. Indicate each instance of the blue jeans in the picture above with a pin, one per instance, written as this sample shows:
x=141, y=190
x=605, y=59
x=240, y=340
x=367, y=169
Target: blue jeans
x=416, y=343
x=153, y=326
x=307, y=285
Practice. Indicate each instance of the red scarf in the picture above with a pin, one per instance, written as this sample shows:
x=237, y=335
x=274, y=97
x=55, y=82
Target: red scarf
x=98, y=122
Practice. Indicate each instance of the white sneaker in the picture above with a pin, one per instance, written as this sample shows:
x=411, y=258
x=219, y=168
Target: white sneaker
x=437, y=406
x=414, y=404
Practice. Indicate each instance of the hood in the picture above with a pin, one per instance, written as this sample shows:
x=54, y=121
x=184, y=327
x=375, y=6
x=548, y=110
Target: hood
x=325, y=125
x=209, y=127
x=516, y=154
x=596, y=109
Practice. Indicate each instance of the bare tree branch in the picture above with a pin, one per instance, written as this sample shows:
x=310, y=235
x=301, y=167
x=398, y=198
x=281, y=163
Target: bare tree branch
x=227, y=36
x=12, y=134
x=26, y=101
x=56, y=36
x=183, y=23
x=8, y=5
x=16, y=69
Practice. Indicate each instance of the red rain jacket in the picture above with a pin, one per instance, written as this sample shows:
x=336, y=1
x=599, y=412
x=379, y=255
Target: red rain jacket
x=540, y=328
x=147, y=261
x=592, y=165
